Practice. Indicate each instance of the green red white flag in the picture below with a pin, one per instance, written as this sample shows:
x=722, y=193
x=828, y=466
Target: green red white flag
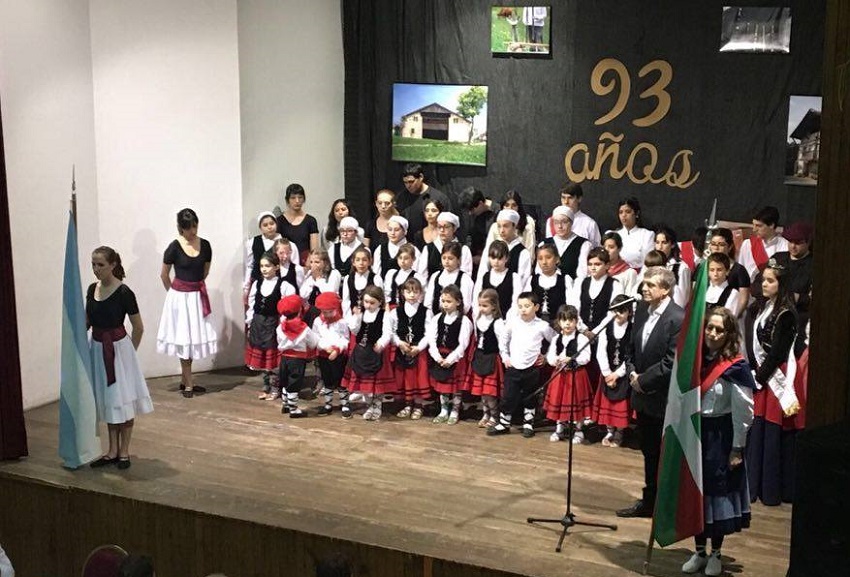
x=678, y=505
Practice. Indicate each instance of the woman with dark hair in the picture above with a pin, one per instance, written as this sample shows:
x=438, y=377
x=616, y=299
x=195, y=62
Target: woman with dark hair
x=637, y=241
x=617, y=267
x=665, y=241
x=330, y=234
x=431, y=211
x=296, y=225
x=771, y=329
x=376, y=229
x=525, y=228
x=726, y=409
x=185, y=327
x=722, y=240
x=120, y=390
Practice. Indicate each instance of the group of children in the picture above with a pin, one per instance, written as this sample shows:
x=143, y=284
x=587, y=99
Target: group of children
x=394, y=320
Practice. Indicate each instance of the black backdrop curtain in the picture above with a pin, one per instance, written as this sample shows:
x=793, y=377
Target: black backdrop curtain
x=13, y=436
x=729, y=109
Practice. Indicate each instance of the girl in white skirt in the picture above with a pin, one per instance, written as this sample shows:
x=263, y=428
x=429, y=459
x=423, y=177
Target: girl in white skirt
x=185, y=328
x=119, y=387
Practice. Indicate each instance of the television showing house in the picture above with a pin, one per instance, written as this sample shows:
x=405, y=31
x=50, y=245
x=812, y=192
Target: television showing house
x=439, y=123
x=802, y=144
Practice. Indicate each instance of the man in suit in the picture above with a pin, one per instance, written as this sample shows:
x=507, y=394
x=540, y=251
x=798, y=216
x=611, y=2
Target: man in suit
x=656, y=328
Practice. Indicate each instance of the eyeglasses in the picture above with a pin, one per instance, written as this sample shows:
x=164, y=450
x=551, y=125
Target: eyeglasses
x=445, y=227
x=714, y=329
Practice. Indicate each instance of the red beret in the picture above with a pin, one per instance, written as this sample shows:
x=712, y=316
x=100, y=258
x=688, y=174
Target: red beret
x=289, y=305
x=799, y=231
x=328, y=301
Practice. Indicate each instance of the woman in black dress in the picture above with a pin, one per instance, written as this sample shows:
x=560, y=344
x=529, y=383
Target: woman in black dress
x=375, y=232
x=296, y=225
x=119, y=387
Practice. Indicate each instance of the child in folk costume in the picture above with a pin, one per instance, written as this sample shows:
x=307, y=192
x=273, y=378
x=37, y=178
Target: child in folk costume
x=333, y=338
x=506, y=284
x=408, y=323
x=385, y=255
x=613, y=353
x=484, y=378
x=569, y=395
x=297, y=343
x=719, y=293
x=395, y=279
x=449, y=275
x=429, y=261
x=290, y=272
x=320, y=278
x=617, y=267
x=519, y=347
x=261, y=318
x=358, y=279
x=369, y=372
x=256, y=248
x=340, y=251
x=572, y=249
x=550, y=286
x=519, y=259
x=448, y=337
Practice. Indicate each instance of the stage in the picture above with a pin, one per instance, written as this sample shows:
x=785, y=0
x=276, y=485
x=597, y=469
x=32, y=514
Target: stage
x=224, y=483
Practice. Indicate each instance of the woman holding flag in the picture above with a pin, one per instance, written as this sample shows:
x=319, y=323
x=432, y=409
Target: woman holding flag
x=726, y=410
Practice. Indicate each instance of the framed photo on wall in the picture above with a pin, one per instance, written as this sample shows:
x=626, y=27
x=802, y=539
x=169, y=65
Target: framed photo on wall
x=521, y=31
x=440, y=123
x=802, y=144
x=753, y=29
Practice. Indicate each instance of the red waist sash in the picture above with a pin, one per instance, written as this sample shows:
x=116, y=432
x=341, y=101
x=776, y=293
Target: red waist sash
x=107, y=338
x=185, y=286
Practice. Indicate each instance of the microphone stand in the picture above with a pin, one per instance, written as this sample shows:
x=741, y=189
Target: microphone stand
x=569, y=519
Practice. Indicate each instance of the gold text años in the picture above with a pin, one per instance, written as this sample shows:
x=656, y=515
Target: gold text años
x=641, y=164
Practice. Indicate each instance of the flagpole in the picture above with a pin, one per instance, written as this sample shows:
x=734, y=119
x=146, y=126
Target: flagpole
x=74, y=193
x=649, y=546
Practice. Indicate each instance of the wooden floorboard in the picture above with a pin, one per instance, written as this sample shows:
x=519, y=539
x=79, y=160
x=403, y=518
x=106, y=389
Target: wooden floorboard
x=447, y=492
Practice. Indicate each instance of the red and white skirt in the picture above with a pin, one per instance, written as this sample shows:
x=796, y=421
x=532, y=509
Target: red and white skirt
x=560, y=394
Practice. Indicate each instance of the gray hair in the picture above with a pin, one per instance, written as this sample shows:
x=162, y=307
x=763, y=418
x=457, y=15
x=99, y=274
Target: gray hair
x=663, y=277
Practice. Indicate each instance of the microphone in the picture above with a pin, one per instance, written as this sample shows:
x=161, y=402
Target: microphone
x=628, y=302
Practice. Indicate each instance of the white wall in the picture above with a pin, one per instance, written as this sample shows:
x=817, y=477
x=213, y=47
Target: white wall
x=48, y=125
x=291, y=78
x=166, y=94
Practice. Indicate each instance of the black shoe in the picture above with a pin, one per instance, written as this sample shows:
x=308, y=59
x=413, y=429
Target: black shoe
x=527, y=432
x=495, y=431
x=188, y=394
x=123, y=463
x=195, y=389
x=325, y=410
x=103, y=462
x=297, y=414
x=284, y=409
x=639, y=509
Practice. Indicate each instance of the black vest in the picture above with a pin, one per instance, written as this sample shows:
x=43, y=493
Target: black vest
x=343, y=266
x=387, y=263
x=488, y=342
x=504, y=290
x=435, y=300
x=568, y=264
x=435, y=262
x=618, y=351
x=369, y=333
x=551, y=298
x=258, y=250
x=290, y=277
x=513, y=258
x=354, y=295
x=267, y=305
x=721, y=300
x=572, y=347
x=411, y=329
x=593, y=310
x=448, y=336
x=396, y=298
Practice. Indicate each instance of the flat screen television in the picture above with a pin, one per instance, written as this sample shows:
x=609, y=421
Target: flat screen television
x=439, y=123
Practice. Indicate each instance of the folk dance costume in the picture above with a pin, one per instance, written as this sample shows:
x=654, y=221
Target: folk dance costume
x=392, y=285
x=369, y=372
x=486, y=372
x=519, y=261
x=592, y=298
x=385, y=257
x=626, y=275
x=120, y=390
x=429, y=261
x=448, y=336
x=444, y=278
x=569, y=396
x=583, y=225
x=353, y=286
x=637, y=242
x=340, y=255
x=611, y=405
x=722, y=295
x=297, y=343
x=770, y=450
x=682, y=274
x=408, y=324
x=292, y=274
x=573, y=254
x=254, y=250
x=312, y=287
x=755, y=253
x=332, y=334
x=261, y=352
x=726, y=407
x=185, y=327
x=519, y=348
x=552, y=292
x=506, y=284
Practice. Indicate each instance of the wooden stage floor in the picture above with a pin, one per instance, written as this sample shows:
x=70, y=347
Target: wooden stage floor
x=447, y=492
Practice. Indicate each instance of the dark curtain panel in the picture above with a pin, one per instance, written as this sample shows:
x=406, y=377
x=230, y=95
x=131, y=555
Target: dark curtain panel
x=13, y=435
x=730, y=109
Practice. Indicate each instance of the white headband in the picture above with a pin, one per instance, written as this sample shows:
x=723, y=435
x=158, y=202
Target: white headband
x=565, y=211
x=449, y=218
x=401, y=221
x=263, y=215
x=348, y=222
x=508, y=214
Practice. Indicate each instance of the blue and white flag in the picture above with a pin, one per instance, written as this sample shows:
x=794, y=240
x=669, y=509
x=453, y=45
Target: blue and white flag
x=78, y=440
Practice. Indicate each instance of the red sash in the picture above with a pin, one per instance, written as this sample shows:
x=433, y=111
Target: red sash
x=759, y=252
x=107, y=338
x=185, y=286
x=686, y=251
x=618, y=268
x=715, y=371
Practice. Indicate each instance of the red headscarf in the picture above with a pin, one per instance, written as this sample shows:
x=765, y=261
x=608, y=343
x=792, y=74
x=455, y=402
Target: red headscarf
x=292, y=325
x=329, y=302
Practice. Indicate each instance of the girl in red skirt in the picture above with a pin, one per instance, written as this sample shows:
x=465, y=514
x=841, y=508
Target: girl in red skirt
x=485, y=376
x=369, y=372
x=408, y=322
x=448, y=337
x=614, y=351
x=261, y=318
x=569, y=395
